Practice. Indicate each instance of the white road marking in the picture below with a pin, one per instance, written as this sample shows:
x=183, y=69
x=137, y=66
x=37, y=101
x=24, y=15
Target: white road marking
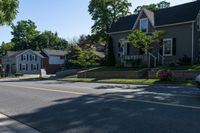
x=123, y=97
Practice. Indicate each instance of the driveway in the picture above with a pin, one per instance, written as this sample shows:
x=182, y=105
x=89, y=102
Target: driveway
x=54, y=106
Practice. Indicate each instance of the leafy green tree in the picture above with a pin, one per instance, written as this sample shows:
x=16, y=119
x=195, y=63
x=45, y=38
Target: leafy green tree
x=23, y=35
x=8, y=11
x=160, y=5
x=6, y=47
x=91, y=58
x=76, y=58
x=145, y=42
x=105, y=13
x=48, y=39
x=110, y=57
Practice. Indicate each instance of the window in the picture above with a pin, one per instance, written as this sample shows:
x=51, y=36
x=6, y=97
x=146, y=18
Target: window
x=23, y=67
x=33, y=57
x=34, y=67
x=167, y=47
x=144, y=25
x=62, y=57
x=23, y=57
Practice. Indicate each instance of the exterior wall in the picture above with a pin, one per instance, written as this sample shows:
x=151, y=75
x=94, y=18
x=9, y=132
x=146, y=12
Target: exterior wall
x=56, y=60
x=183, y=35
x=196, y=43
x=28, y=62
x=9, y=64
x=50, y=68
x=116, y=38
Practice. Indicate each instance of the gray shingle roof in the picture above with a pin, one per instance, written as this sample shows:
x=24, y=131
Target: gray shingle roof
x=55, y=52
x=16, y=53
x=177, y=14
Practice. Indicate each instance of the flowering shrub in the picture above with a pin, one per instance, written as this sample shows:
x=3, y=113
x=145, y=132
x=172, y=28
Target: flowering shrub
x=165, y=75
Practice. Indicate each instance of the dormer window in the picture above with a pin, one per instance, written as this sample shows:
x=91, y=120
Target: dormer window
x=144, y=25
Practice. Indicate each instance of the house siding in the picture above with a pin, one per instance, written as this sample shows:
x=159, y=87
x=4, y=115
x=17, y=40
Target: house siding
x=196, y=43
x=183, y=35
x=28, y=62
x=56, y=60
x=116, y=38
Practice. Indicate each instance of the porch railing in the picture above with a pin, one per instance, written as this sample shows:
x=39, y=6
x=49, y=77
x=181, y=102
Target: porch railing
x=154, y=60
x=134, y=57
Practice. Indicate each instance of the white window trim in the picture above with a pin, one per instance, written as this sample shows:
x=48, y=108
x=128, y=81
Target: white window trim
x=24, y=57
x=168, y=39
x=34, y=65
x=147, y=24
x=22, y=67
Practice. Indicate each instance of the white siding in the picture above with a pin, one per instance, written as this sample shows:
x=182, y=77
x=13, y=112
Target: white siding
x=56, y=60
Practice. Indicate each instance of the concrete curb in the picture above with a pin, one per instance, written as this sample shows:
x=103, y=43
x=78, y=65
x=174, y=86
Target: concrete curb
x=8, y=125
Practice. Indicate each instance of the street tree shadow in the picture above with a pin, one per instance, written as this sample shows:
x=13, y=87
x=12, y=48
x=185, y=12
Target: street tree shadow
x=115, y=113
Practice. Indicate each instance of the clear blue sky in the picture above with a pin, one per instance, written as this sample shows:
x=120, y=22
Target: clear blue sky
x=69, y=18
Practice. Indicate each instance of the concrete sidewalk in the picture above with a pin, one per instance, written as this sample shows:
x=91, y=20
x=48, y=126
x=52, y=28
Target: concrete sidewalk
x=8, y=125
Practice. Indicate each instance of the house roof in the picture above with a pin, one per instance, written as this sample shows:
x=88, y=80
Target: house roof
x=16, y=53
x=172, y=15
x=55, y=52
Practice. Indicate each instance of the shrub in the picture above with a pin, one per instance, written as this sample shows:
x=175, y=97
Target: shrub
x=165, y=75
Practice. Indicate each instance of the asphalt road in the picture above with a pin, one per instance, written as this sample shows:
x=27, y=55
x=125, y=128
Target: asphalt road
x=59, y=107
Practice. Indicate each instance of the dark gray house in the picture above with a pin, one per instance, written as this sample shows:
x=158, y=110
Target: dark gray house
x=182, y=34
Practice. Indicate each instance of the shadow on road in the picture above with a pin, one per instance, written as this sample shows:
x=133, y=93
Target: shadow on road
x=112, y=113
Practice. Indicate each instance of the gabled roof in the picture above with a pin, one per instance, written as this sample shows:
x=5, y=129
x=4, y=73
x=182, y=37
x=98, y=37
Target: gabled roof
x=124, y=24
x=172, y=15
x=17, y=53
x=177, y=14
x=51, y=52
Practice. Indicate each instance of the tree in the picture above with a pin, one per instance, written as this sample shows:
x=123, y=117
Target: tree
x=6, y=47
x=110, y=57
x=105, y=13
x=48, y=39
x=76, y=57
x=145, y=42
x=160, y=5
x=8, y=11
x=23, y=35
x=83, y=42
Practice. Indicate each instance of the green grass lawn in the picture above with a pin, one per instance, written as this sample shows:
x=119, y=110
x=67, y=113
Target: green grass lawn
x=131, y=81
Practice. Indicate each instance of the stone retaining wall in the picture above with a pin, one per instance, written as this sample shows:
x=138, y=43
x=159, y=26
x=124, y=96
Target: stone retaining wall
x=65, y=73
x=114, y=74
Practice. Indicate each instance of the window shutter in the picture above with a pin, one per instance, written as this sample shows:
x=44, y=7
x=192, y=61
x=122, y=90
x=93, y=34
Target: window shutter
x=22, y=57
x=27, y=57
x=20, y=67
x=174, y=46
x=119, y=45
x=26, y=67
x=35, y=58
x=128, y=48
x=31, y=66
x=37, y=67
x=161, y=48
